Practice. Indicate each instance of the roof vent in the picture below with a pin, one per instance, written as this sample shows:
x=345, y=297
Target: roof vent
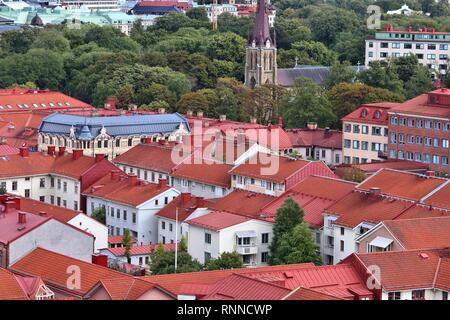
x=423, y=255
x=288, y=274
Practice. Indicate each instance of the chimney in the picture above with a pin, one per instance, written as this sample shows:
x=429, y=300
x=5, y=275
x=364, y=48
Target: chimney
x=423, y=255
x=185, y=197
x=253, y=120
x=10, y=206
x=16, y=201
x=162, y=142
x=437, y=83
x=280, y=121
x=147, y=140
x=374, y=192
x=162, y=183
x=51, y=150
x=23, y=151
x=111, y=103
x=410, y=29
x=99, y=157
x=312, y=125
x=100, y=259
x=133, y=179
x=200, y=202
x=429, y=173
x=21, y=217
x=161, y=110
x=223, y=117
x=327, y=132
x=77, y=153
x=42, y=213
x=115, y=174
x=61, y=151
x=189, y=113
x=199, y=114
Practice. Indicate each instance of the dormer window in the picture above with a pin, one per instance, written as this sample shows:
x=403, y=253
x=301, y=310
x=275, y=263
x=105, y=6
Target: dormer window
x=364, y=113
x=267, y=43
x=377, y=115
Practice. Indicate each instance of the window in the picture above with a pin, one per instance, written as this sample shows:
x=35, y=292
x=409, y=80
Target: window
x=418, y=156
x=207, y=256
x=52, y=182
x=394, y=295
x=384, y=45
x=125, y=215
x=112, y=212
x=435, y=159
x=42, y=183
x=355, y=144
x=52, y=199
x=264, y=238
x=58, y=201
x=163, y=225
x=265, y=259
x=394, y=121
x=118, y=213
x=208, y=238
x=419, y=123
x=166, y=200
x=376, y=131
x=407, y=46
x=431, y=47
x=342, y=231
x=134, y=217
x=443, y=47
x=395, y=45
x=347, y=143
x=444, y=295
x=65, y=203
x=356, y=128
x=418, y=294
x=65, y=186
x=75, y=205
x=14, y=185
x=42, y=198
x=27, y=193
x=342, y=245
x=347, y=127
x=156, y=202
x=76, y=188
x=428, y=124
x=170, y=227
x=444, y=160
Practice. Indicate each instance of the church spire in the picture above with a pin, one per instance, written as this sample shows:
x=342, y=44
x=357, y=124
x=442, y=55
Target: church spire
x=261, y=31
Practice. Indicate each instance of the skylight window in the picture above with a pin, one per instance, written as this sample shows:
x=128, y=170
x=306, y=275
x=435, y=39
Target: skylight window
x=60, y=104
x=9, y=106
x=51, y=104
x=43, y=105
x=35, y=105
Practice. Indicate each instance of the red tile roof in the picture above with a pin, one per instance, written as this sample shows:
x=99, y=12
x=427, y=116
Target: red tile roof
x=6, y=150
x=422, y=211
x=52, y=268
x=324, y=187
x=412, y=269
x=152, y=156
x=330, y=139
x=120, y=190
x=309, y=294
x=59, y=213
x=420, y=106
x=10, y=288
x=423, y=233
x=358, y=207
x=127, y=288
x=186, y=204
x=401, y=165
x=261, y=166
x=217, y=220
x=141, y=250
x=118, y=240
x=440, y=198
x=215, y=174
x=367, y=113
x=401, y=184
x=243, y=202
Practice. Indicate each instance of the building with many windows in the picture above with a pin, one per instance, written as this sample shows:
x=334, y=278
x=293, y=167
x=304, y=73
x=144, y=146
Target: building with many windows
x=430, y=47
x=365, y=133
x=419, y=130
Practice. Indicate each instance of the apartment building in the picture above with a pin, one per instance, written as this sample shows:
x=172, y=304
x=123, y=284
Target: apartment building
x=130, y=203
x=419, y=130
x=54, y=177
x=219, y=231
x=365, y=133
x=430, y=47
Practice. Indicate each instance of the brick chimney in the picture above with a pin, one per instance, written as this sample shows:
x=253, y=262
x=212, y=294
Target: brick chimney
x=429, y=173
x=16, y=201
x=200, y=202
x=51, y=150
x=77, y=153
x=61, y=151
x=374, y=192
x=253, y=120
x=222, y=117
x=99, y=157
x=185, y=197
x=21, y=217
x=199, y=114
x=133, y=179
x=312, y=125
x=23, y=151
x=100, y=259
x=147, y=140
x=162, y=183
x=115, y=175
x=111, y=103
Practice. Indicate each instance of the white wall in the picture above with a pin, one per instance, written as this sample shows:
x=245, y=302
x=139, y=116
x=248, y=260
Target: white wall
x=97, y=229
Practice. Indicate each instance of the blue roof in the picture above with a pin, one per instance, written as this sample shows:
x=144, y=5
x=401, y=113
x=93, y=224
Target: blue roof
x=87, y=128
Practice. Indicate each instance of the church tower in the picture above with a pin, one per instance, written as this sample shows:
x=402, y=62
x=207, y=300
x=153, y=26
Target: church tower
x=261, y=52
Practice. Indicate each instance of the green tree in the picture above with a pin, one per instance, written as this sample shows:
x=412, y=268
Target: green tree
x=340, y=72
x=127, y=243
x=164, y=262
x=288, y=216
x=289, y=31
x=316, y=51
x=125, y=96
x=308, y=103
x=51, y=40
x=382, y=74
x=226, y=46
x=419, y=83
x=354, y=174
x=3, y=190
x=227, y=260
x=194, y=101
x=99, y=214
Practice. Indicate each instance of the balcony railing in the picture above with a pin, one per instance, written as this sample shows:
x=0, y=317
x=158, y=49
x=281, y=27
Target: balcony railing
x=246, y=249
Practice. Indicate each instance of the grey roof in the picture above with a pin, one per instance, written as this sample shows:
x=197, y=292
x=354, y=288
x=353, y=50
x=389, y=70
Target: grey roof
x=318, y=74
x=87, y=128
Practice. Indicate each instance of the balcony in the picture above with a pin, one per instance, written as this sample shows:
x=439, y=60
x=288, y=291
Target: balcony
x=246, y=249
x=382, y=154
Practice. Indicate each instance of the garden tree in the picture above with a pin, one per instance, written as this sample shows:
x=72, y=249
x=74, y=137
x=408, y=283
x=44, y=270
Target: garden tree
x=99, y=214
x=173, y=21
x=354, y=174
x=242, y=98
x=155, y=106
x=109, y=37
x=288, y=216
x=182, y=245
x=156, y=92
x=137, y=30
x=226, y=46
x=127, y=243
x=382, y=74
x=202, y=70
x=289, y=31
x=347, y=97
x=307, y=103
x=198, y=14
x=3, y=190
x=297, y=246
x=350, y=47
x=163, y=262
x=153, y=59
x=51, y=40
x=227, y=22
x=267, y=101
x=328, y=22
x=419, y=83
x=187, y=39
x=194, y=101
x=227, y=260
x=125, y=96
x=340, y=72
x=225, y=68
x=405, y=67
x=315, y=51
x=18, y=41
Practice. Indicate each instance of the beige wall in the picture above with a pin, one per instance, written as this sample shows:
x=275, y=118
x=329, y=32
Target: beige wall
x=381, y=232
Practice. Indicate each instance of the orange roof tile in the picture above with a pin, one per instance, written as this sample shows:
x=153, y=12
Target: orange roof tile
x=10, y=288
x=126, y=288
x=59, y=213
x=52, y=268
x=217, y=220
x=441, y=198
x=309, y=294
x=302, y=137
x=185, y=207
x=212, y=174
x=141, y=250
x=366, y=113
x=401, y=184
